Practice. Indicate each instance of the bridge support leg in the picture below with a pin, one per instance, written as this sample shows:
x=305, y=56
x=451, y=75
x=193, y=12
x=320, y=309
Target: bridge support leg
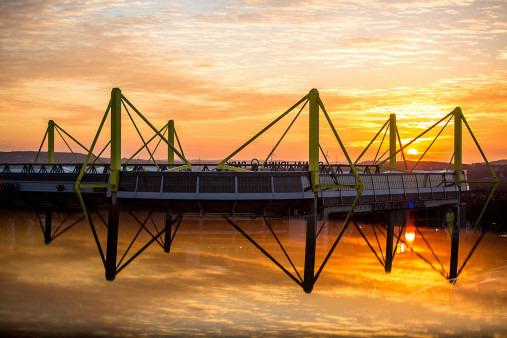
x=47, y=227
x=311, y=232
x=313, y=135
x=459, y=222
x=170, y=138
x=112, y=239
x=51, y=142
x=168, y=223
x=389, y=241
x=392, y=141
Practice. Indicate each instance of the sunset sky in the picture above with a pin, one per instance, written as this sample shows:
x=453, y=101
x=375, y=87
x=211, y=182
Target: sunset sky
x=224, y=69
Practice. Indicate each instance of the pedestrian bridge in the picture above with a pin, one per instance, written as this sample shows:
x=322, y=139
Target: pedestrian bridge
x=314, y=189
x=209, y=191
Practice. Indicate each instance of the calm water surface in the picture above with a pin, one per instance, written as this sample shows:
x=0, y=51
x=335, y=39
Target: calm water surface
x=216, y=283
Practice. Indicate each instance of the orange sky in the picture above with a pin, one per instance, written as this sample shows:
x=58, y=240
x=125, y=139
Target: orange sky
x=224, y=69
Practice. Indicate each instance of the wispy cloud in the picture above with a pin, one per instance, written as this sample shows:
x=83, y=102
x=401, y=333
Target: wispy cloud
x=247, y=61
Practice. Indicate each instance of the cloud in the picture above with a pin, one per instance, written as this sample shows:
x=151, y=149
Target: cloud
x=242, y=62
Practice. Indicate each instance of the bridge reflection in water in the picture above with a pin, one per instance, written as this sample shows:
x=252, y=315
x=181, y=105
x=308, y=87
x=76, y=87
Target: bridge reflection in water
x=264, y=195
x=215, y=281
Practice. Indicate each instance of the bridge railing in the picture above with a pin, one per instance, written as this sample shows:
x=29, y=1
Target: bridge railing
x=99, y=168
x=283, y=182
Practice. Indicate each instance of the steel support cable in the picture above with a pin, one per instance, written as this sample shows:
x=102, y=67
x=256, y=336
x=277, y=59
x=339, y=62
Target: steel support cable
x=126, y=251
x=397, y=241
x=97, y=241
x=141, y=136
x=98, y=156
x=495, y=178
x=424, y=259
x=321, y=227
x=144, y=248
x=402, y=152
x=368, y=243
x=418, y=137
x=431, y=144
x=378, y=243
x=58, y=131
x=444, y=180
x=381, y=157
x=471, y=252
x=344, y=227
x=61, y=224
x=42, y=143
x=84, y=169
x=73, y=139
x=335, y=178
x=55, y=235
x=379, y=228
x=283, y=249
x=263, y=251
x=178, y=140
x=40, y=222
x=485, y=206
x=449, y=165
x=359, y=186
x=102, y=219
x=175, y=230
x=187, y=164
x=222, y=165
x=480, y=149
x=371, y=142
x=95, y=236
x=163, y=130
x=156, y=229
x=281, y=138
x=432, y=252
x=133, y=240
x=145, y=228
x=380, y=146
x=159, y=140
x=80, y=177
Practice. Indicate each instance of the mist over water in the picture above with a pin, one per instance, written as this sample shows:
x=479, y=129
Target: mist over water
x=215, y=282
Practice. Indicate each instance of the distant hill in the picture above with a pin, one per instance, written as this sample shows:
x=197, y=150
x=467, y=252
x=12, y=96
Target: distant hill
x=29, y=157
x=423, y=165
x=66, y=157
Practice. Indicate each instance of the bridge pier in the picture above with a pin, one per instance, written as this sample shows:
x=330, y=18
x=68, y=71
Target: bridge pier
x=460, y=221
x=389, y=240
x=47, y=227
x=311, y=241
x=168, y=223
x=112, y=239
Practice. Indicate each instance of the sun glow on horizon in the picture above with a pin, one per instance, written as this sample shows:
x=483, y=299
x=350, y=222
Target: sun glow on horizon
x=412, y=151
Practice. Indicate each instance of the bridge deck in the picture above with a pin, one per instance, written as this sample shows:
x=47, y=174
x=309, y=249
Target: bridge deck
x=266, y=192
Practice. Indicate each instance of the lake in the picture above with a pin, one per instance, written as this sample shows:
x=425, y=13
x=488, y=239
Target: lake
x=214, y=282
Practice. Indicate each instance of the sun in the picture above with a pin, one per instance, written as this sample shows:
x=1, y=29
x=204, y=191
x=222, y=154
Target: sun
x=412, y=151
x=410, y=236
